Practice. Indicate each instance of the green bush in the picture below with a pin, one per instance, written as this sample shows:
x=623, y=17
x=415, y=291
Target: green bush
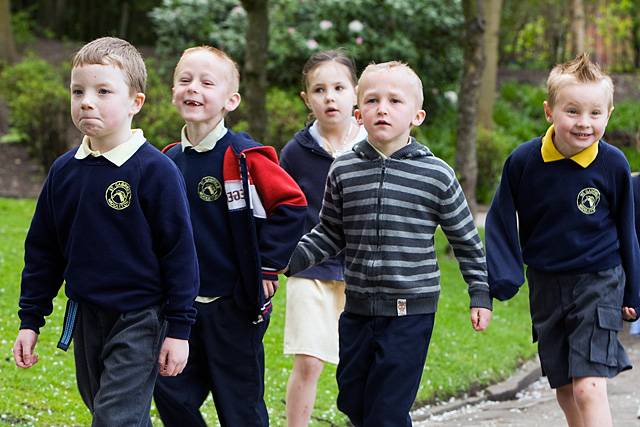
x=286, y=114
x=493, y=148
x=39, y=107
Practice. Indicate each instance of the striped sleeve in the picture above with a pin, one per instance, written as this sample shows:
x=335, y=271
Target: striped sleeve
x=457, y=223
x=326, y=239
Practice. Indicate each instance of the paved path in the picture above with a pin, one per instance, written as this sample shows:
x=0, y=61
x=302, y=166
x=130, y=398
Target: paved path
x=536, y=405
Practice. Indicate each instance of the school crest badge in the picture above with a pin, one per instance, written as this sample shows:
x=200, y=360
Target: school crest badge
x=588, y=199
x=118, y=195
x=209, y=189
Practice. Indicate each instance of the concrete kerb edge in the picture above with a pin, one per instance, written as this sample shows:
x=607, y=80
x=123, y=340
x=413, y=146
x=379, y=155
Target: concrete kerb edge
x=526, y=375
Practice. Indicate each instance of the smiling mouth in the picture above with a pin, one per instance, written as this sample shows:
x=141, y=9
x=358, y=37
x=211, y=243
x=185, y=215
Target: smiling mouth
x=192, y=103
x=382, y=123
x=582, y=134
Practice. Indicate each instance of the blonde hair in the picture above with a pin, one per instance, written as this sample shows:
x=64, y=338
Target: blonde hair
x=389, y=66
x=118, y=53
x=578, y=70
x=234, y=75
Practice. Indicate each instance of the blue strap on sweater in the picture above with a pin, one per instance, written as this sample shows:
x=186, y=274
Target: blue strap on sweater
x=70, y=316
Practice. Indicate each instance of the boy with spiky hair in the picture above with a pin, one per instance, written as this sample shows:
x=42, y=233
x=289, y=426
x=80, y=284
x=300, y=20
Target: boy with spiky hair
x=112, y=221
x=568, y=197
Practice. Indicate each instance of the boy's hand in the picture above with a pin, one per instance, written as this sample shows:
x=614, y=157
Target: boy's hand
x=270, y=287
x=480, y=318
x=173, y=356
x=629, y=313
x=23, y=348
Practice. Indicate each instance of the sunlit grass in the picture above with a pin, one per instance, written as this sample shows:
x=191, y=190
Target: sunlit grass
x=46, y=394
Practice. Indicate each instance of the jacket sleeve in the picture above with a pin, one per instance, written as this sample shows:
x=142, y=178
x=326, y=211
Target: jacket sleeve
x=504, y=257
x=44, y=264
x=457, y=223
x=629, y=205
x=284, y=205
x=327, y=238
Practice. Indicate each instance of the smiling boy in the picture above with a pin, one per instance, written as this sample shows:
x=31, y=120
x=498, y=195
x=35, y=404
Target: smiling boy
x=382, y=205
x=568, y=197
x=107, y=226
x=247, y=216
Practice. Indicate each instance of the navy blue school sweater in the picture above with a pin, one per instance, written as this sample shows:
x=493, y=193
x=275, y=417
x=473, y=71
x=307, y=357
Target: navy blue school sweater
x=120, y=237
x=308, y=164
x=248, y=233
x=572, y=219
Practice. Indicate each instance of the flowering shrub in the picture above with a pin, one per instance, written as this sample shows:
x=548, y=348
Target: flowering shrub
x=423, y=34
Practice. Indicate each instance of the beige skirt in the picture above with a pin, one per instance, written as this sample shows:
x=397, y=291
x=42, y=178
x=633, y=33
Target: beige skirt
x=311, y=319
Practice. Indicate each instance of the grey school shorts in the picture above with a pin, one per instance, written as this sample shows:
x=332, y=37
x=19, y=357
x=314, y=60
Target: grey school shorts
x=576, y=319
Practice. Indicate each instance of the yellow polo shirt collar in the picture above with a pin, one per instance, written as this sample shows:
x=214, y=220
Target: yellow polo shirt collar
x=550, y=153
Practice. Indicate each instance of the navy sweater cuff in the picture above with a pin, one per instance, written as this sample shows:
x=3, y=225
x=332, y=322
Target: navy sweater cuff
x=179, y=331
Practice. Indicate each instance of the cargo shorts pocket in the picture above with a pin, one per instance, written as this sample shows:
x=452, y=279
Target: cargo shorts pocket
x=604, y=341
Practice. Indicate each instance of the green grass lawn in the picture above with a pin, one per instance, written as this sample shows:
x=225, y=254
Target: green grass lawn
x=458, y=359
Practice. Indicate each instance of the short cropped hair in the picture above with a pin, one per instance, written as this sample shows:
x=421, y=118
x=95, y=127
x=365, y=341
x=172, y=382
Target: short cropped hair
x=234, y=71
x=119, y=53
x=578, y=70
x=388, y=66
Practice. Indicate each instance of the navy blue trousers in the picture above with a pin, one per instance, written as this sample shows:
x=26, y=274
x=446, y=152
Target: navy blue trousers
x=226, y=358
x=381, y=363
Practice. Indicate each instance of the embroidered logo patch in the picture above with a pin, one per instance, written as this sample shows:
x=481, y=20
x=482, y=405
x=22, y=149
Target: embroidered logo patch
x=209, y=189
x=118, y=195
x=588, y=199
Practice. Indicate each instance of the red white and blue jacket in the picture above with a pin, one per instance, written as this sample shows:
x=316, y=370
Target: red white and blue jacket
x=266, y=216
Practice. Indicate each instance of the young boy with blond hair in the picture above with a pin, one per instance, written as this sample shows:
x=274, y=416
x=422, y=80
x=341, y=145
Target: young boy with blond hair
x=112, y=221
x=247, y=216
x=382, y=205
x=568, y=197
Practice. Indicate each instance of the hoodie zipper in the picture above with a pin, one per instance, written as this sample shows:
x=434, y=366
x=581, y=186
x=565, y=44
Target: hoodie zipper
x=383, y=171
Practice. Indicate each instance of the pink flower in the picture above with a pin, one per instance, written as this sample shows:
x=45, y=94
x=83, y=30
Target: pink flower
x=312, y=44
x=359, y=40
x=325, y=24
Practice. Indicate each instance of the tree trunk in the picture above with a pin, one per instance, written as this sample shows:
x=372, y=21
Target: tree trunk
x=466, y=159
x=578, y=27
x=255, y=66
x=487, y=94
x=7, y=45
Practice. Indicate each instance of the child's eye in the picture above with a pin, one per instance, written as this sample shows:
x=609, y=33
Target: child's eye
x=184, y=80
x=208, y=83
x=370, y=101
x=76, y=92
x=103, y=91
x=396, y=101
x=596, y=113
x=318, y=90
x=572, y=111
x=339, y=88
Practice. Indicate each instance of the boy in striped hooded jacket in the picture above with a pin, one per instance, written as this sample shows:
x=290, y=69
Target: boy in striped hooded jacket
x=382, y=205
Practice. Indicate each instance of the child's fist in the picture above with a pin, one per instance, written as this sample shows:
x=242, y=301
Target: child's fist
x=480, y=318
x=23, y=348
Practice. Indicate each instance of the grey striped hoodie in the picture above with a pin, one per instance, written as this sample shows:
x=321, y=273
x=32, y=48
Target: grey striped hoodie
x=384, y=213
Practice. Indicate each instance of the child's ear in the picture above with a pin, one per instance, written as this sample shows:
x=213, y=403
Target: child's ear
x=547, y=112
x=138, y=102
x=358, y=116
x=233, y=102
x=419, y=118
x=303, y=95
